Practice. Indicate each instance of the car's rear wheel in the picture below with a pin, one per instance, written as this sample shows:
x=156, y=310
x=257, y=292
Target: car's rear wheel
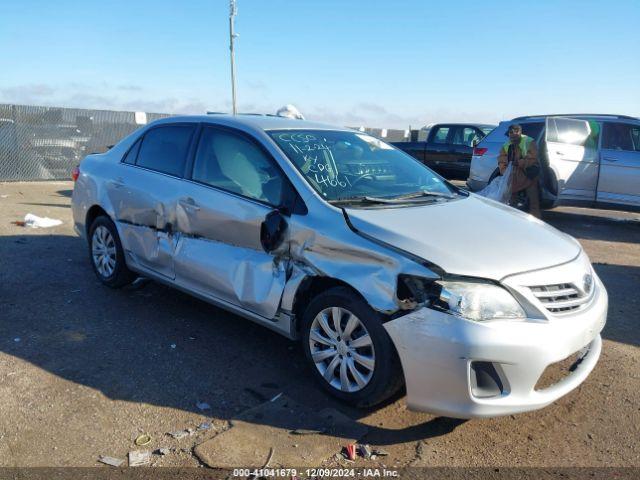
x=349, y=351
x=106, y=254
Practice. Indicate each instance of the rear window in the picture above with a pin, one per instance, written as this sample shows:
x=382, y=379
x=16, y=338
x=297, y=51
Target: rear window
x=164, y=149
x=132, y=154
x=532, y=129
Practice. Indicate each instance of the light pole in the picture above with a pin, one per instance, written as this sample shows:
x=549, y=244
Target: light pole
x=232, y=13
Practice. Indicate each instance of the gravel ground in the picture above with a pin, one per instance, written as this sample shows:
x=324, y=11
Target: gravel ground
x=84, y=369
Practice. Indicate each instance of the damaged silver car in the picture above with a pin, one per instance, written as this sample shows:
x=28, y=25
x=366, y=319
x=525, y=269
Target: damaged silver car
x=385, y=272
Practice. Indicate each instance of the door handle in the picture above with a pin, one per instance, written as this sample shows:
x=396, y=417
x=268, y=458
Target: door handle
x=189, y=203
x=610, y=159
x=559, y=153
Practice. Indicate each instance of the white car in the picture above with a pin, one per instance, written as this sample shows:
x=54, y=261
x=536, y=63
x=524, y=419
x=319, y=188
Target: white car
x=587, y=160
x=387, y=273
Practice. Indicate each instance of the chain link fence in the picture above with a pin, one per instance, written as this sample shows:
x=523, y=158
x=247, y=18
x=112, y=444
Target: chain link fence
x=45, y=143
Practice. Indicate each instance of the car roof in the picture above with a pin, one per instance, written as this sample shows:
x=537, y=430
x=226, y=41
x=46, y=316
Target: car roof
x=468, y=124
x=255, y=121
x=603, y=116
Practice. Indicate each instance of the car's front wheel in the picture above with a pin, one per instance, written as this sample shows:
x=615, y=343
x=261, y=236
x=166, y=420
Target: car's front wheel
x=350, y=352
x=107, y=256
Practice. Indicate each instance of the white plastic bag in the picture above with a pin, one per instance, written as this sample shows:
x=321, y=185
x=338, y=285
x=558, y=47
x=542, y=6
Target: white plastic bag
x=33, y=221
x=500, y=188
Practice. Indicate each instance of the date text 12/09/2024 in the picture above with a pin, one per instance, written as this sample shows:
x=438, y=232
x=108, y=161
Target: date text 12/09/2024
x=315, y=473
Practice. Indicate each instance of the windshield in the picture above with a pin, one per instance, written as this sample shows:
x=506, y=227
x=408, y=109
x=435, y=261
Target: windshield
x=353, y=165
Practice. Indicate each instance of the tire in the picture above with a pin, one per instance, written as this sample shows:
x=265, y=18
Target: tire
x=368, y=382
x=106, y=254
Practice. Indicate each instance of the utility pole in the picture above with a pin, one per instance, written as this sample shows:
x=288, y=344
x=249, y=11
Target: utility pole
x=232, y=13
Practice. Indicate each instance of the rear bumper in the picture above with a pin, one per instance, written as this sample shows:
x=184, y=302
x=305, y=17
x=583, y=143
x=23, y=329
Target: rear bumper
x=438, y=352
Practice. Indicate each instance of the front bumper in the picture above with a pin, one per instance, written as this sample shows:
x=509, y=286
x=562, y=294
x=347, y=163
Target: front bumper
x=437, y=351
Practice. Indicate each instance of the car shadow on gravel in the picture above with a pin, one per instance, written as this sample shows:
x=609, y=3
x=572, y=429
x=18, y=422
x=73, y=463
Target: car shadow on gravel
x=152, y=345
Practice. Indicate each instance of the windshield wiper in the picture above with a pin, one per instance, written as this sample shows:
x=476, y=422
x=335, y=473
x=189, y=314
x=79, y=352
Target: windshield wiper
x=362, y=199
x=423, y=193
x=407, y=198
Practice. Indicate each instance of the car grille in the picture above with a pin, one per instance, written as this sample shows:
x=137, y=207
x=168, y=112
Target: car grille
x=560, y=298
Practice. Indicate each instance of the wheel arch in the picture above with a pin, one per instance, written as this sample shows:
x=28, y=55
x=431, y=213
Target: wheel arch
x=94, y=212
x=308, y=289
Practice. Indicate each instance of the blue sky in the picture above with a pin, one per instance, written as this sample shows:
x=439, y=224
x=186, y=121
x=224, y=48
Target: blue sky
x=376, y=63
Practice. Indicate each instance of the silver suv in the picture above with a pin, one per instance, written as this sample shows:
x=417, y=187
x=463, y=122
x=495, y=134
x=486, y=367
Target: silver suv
x=387, y=273
x=586, y=159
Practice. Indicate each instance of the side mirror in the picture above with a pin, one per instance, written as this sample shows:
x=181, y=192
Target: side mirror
x=272, y=231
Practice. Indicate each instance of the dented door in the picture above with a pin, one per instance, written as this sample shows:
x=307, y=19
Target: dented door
x=220, y=254
x=145, y=193
x=144, y=207
x=234, y=185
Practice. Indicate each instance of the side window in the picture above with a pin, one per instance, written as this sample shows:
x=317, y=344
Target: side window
x=165, y=149
x=441, y=135
x=466, y=136
x=233, y=163
x=132, y=154
x=621, y=136
x=532, y=129
x=568, y=130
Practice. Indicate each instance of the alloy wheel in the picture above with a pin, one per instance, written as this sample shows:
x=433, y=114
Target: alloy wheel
x=103, y=251
x=342, y=349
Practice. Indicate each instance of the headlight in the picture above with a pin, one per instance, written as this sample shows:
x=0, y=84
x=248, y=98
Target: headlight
x=477, y=301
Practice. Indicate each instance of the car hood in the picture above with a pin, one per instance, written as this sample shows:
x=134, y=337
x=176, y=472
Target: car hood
x=470, y=236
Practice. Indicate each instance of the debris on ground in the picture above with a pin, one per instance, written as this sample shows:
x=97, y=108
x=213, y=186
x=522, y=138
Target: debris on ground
x=138, y=284
x=365, y=451
x=178, y=434
x=173, y=345
x=204, y=426
x=17, y=339
x=203, y=406
x=379, y=453
x=138, y=458
x=254, y=432
x=350, y=452
x=276, y=397
x=143, y=439
x=114, y=462
x=33, y=221
x=271, y=451
x=162, y=451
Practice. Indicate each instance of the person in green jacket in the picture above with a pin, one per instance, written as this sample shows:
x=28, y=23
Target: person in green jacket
x=522, y=152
